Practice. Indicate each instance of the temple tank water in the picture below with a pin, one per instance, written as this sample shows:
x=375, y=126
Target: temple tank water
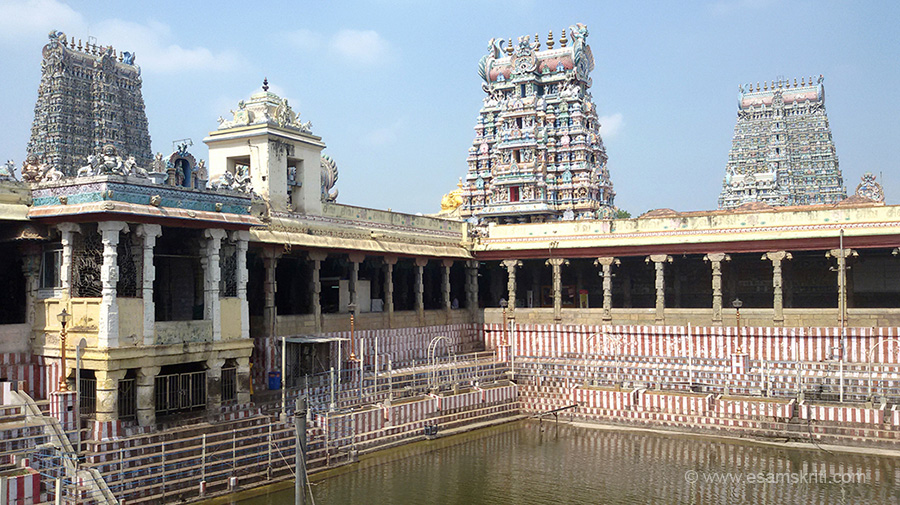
x=547, y=463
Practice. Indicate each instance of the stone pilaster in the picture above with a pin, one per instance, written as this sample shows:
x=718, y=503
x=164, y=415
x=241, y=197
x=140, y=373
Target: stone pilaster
x=243, y=380
x=214, y=384
x=607, y=263
x=212, y=276
x=241, y=241
x=108, y=394
x=145, y=385
x=776, y=257
x=511, y=266
x=149, y=232
x=355, y=260
x=108, y=334
x=389, y=262
x=315, y=286
x=715, y=260
x=841, y=256
x=659, y=261
x=555, y=264
x=66, y=230
x=472, y=286
x=420, y=288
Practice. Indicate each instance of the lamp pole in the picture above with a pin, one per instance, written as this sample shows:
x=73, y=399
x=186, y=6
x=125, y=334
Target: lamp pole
x=63, y=318
x=737, y=304
x=503, y=304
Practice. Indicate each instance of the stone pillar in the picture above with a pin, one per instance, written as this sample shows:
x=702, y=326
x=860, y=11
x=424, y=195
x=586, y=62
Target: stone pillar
x=607, y=262
x=659, y=261
x=145, y=387
x=108, y=394
x=214, y=384
x=270, y=262
x=241, y=241
x=212, y=274
x=715, y=260
x=511, y=266
x=315, y=286
x=65, y=267
x=149, y=232
x=243, y=380
x=445, y=286
x=472, y=286
x=389, y=262
x=841, y=256
x=555, y=264
x=776, y=257
x=31, y=267
x=108, y=334
x=355, y=260
x=420, y=288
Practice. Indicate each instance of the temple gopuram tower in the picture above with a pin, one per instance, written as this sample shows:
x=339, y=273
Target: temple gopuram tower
x=537, y=154
x=782, y=152
x=89, y=97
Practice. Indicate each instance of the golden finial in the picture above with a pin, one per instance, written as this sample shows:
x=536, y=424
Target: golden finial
x=563, y=40
x=550, y=40
x=766, y=85
x=795, y=82
x=509, y=47
x=803, y=81
x=79, y=45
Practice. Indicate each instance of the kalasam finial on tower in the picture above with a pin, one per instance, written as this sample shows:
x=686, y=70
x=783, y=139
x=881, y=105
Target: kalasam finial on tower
x=265, y=84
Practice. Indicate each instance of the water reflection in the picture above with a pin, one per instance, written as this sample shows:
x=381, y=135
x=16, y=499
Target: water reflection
x=527, y=463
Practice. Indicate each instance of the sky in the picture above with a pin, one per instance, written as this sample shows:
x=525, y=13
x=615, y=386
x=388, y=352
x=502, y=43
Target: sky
x=392, y=87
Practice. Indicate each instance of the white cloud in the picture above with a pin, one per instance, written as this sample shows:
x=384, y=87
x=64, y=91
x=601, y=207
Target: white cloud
x=359, y=47
x=611, y=125
x=385, y=135
x=30, y=18
x=364, y=47
x=151, y=42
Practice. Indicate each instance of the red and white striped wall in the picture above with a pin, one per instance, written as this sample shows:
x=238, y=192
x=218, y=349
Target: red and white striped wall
x=763, y=343
x=62, y=407
x=26, y=368
x=842, y=415
x=23, y=489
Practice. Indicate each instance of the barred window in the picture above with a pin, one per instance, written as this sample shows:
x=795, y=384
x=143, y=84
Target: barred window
x=228, y=267
x=87, y=258
x=129, y=263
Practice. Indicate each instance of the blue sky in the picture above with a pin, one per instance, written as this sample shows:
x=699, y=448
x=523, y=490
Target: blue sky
x=392, y=88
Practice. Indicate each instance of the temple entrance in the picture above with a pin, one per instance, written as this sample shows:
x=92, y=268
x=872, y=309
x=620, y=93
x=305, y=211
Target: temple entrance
x=180, y=388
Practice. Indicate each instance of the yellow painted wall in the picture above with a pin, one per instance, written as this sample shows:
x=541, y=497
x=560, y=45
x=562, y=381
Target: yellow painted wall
x=231, y=318
x=131, y=321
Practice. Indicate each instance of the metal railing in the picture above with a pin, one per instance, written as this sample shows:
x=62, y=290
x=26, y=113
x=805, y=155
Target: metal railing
x=180, y=392
x=88, y=390
x=127, y=399
x=229, y=385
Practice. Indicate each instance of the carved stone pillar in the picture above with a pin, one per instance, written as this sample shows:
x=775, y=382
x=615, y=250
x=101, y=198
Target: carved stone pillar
x=445, y=286
x=659, y=261
x=355, y=260
x=607, y=262
x=243, y=380
x=472, y=286
x=270, y=262
x=145, y=384
x=212, y=276
x=108, y=334
x=776, y=257
x=241, y=241
x=715, y=260
x=108, y=394
x=511, y=266
x=149, y=232
x=214, y=384
x=66, y=230
x=555, y=264
x=389, y=262
x=420, y=288
x=841, y=256
x=315, y=286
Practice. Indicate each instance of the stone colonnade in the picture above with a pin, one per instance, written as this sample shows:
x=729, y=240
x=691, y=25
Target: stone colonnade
x=107, y=381
x=606, y=264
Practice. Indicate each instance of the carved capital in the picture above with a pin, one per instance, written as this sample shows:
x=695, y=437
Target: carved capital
x=716, y=257
x=511, y=265
x=659, y=258
x=421, y=262
x=556, y=262
x=317, y=255
x=607, y=261
x=356, y=257
x=777, y=256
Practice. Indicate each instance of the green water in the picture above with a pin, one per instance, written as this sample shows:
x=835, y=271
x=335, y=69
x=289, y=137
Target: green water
x=527, y=463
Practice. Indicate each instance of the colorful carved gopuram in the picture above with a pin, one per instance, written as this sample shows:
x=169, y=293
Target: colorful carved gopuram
x=537, y=154
x=782, y=152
